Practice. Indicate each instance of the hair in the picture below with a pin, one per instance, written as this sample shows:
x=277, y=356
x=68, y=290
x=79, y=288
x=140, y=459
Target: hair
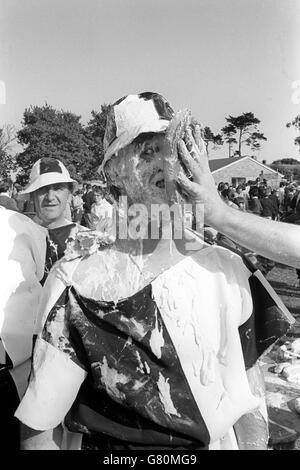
x=4, y=186
x=98, y=190
x=227, y=193
x=263, y=192
x=268, y=189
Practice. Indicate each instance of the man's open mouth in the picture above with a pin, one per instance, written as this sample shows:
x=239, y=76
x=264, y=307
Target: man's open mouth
x=158, y=180
x=160, y=184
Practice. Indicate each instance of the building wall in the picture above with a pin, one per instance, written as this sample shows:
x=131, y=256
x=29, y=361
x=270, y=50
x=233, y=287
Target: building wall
x=248, y=169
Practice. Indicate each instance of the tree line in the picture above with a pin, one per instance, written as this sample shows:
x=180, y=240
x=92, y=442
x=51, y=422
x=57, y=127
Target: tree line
x=240, y=131
x=48, y=132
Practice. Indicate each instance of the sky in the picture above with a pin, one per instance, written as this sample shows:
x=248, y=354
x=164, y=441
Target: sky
x=215, y=57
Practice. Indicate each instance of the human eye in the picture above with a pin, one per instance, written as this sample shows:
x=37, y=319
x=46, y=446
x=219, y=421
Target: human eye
x=59, y=186
x=41, y=191
x=148, y=151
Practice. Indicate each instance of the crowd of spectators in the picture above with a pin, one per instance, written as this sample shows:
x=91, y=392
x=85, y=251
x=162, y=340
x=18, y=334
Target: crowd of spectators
x=86, y=207
x=259, y=198
x=88, y=200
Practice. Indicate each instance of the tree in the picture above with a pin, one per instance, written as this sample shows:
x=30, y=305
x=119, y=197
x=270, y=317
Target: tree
x=229, y=133
x=7, y=160
x=254, y=141
x=296, y=124
x=47, y=132
x=245, y=126
x=286, y=161
x=210, y=138
x=289, y=167
x=288, y=174
x=95, y=130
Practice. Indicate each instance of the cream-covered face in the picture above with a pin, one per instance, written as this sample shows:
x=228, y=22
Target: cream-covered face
x=138, y=170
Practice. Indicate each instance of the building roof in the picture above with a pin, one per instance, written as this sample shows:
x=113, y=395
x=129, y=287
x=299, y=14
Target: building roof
x=219, y=163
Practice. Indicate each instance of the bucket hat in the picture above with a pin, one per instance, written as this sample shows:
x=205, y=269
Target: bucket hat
x=47, y=171
x=131, y=116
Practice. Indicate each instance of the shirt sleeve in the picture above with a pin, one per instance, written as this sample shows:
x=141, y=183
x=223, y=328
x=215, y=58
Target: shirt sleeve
x=56, y=375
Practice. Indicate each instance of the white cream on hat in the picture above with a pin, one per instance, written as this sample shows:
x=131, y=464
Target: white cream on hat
x=131, y=116
x=47, y=171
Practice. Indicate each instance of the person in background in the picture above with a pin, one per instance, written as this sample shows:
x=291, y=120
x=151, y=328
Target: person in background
x=294, y=216
x=228, y=196
x=242, y=205
x=221, y=186
x=274, y=197
x=50, y=188
x=246, y=189
x=84, y=188
x=101, y=209
x=5, y=198
x=88, y=201
x=266, y=204
x=77, y=206
x=254, y=204
x=281, y=196
x=239, y=199
x=19, y=198
x=29, y=209
x=290, y=193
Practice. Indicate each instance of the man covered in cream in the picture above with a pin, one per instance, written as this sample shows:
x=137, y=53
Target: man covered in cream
x=148, y=342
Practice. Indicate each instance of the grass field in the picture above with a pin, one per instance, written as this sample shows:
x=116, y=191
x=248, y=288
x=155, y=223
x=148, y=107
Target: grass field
x=283, y=419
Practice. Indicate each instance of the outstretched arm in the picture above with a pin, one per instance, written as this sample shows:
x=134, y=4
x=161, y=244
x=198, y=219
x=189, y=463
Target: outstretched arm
x=276, y=240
